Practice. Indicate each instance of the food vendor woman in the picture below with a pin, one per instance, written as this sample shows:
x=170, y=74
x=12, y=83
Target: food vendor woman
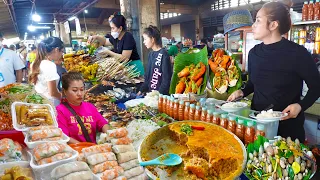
x=123, y=42
x=91, y=120
x=277, y=68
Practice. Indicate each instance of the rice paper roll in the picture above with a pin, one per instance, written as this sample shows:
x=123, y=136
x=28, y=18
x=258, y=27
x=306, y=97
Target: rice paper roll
x=41, y=128
x=82, y=175
x=120, y=178
x=52, y=139
x=55, y=158
x=130, y=164
x=10, y=150
x=81, y=157
x=100, y=158
x=122, y=148
x=65, y=169
x=104, y=166
x=140, y=177
x=48, y=149
x=44, y=133
x=134, y=172
x=117, y=133
x=127, y=156
x=96, y=149
x=112, y=173
x=121, y=141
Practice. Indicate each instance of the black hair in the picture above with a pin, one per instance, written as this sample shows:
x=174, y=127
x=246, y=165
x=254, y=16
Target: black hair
x=179, y=42
x=67, y=78
x=278, y=11
x=44, y=48
x=204, y=41
x=33, y=48
x=153, y=32
x=119, y=20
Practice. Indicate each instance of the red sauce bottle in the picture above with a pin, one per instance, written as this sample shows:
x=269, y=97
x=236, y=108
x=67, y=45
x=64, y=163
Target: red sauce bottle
x=224, y=121
x=260, y=131
x=186, y=111
x=232, y=124
x=176, y=109
x=197, y=114
x=160, y=101
x=249, y=133
x=240, y=130
x=192, y=112
x=168, y=105
x=204, y=114
x=209, y=116
x=181, y=111
x=216, y=118
x=310, y=11
x=172, y=107
x=164, y=104
x=305, y=11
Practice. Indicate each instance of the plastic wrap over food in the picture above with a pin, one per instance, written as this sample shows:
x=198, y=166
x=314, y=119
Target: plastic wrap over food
x=104, y=166
x=49, y=149
x=69, y=168
x=130, y=164
x=117, y=133
x=96, y=149
x=81, y=157
x=121, y=141
x=45, y=133
x=120, y=178
x=134, y=172
x=55, y=158
x=122, y=148
x=112, y=173
x=82, y=175
x=140, y=177
x=127, y=156
x=10, y=150
x=101, y=157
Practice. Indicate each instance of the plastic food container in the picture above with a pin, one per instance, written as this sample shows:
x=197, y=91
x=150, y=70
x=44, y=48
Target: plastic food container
x=19, y=127
x=33, y=144
x=23, y=164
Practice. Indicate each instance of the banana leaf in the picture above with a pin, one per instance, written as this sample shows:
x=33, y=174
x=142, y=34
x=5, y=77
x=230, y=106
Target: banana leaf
x=192, y=56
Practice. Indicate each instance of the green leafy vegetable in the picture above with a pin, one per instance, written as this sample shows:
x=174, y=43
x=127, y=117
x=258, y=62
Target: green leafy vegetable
x=187, y=129
x=161, y=123
x=291, y=173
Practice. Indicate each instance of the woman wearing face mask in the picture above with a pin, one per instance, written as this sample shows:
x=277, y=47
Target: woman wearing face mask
x=277, y=68
x=123, y=42
x=44, y=74
x=91, y=119
x=159, y=71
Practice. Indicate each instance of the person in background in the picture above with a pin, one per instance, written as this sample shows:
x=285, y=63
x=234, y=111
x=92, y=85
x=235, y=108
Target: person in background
x=60, y=70
x=210, y=46
x=277, y=68
x=31, y=55
x=74, y=91
x=22, y=52
x=12, y=47
x=10, y=66
x=123, y=42
x=174, y=50
x=159, y=71
x=44, y=74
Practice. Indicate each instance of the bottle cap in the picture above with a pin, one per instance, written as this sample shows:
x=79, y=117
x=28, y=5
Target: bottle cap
x=181, y=102
x=192, y=106
x=250, y=123
x=232, y=118
x=176, y=101
x=306, y=2
x=160, y=95
x=187, y=103
x=240, y=121
x=209, y=111
x=204, y=109
x=260, y=127
x=216, y=114
x=197, y=107
x=224, y=115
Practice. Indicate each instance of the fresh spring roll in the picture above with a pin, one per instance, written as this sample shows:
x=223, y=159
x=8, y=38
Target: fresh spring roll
x=104, y=166
x=117, y=133
x=10, y=149
x=96, y=149
x=112, y=173
x=134, y=172
x=120, y=178
x=101, y=157
x=130, y=164
x=48, y=149
x=54, y=158
x=44, y=133
x=140, y=177
x=41, y=128
x=65, y=169
x=127, y=156
x=82, y=175
x=52, y=139
x=121, y=141
x=122, y=148
x=81, y=157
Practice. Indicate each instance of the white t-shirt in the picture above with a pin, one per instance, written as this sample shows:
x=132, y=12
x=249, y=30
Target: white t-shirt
x=9, y=62
x=48, y=72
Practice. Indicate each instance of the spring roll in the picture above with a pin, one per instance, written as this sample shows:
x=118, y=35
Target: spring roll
x=6, y=177
x=117, y=133
x=81, y=158
x=18, y=113
x=112, y=173
x=65, y=169
x=120, y=178
x=121, y=141
x=23, y=114
x=104, y=166
x=140, y=177
x=100, y=158
x=96, y=149
x=82, y=175
x=130, y=164
x=52, y=139
x=54, y=158
x=32, y=113
x=48, y=149
x=41, y=128
x=127, y=156
x=134, y=172
x=122, y=148
x=45, y=133
x=19, y=173
x=9, y=149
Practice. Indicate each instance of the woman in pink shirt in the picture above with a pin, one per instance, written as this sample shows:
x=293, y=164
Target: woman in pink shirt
x=73, y=89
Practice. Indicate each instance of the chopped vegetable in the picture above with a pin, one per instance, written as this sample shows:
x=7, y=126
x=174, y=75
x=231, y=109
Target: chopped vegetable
x=187, y=129
x=296, y=167
x=198, y=127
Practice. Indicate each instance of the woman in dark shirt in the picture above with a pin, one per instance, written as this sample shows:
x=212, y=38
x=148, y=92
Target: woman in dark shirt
x=123, y=42
x=159, y=71
x=277, y=68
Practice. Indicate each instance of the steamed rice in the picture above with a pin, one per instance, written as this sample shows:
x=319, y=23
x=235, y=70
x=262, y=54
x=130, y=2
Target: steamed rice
x=139, y=129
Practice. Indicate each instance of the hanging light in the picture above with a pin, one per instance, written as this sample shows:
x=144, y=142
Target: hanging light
x=36, y=17
x=72, y=18
x=31, y=28
x=86, y=11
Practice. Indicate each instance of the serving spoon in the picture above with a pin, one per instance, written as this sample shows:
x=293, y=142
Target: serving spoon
x=165, y=159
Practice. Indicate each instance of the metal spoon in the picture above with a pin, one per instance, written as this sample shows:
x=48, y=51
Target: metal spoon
x=165, y=159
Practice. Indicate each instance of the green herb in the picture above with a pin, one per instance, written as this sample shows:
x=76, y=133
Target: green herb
x=250, y=148
x=186, y=128
x=35, y=98
x=288, y=154
x=161, y=123
x=279, y=171
x=291, y=173
x=5, y=102
x=307, y=177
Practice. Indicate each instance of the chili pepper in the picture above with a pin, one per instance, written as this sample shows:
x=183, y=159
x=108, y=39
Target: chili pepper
x=198, y=127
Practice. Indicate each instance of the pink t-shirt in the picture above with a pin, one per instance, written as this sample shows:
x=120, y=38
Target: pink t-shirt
x=93, y=121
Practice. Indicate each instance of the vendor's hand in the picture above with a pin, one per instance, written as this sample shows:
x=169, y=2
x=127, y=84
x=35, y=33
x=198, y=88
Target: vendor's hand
x=100, y=39
x=139, y=93
x=293, y=110
x=235, y=95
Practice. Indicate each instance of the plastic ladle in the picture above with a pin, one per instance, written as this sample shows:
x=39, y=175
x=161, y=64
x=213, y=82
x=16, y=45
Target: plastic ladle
x=165, y=159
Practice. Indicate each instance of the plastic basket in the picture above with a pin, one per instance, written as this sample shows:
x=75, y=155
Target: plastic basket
x=236, y=19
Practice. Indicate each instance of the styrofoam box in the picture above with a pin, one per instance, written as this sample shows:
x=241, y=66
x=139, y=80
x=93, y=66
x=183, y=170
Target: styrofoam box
x=43, y=171
x=33, y=144
x=19, y=127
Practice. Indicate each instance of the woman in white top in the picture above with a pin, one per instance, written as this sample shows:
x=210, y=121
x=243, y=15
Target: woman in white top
x=44, y=71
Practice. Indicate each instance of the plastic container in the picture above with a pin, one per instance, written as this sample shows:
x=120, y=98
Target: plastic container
x=176, y=109
x=164, y=104
x=209, y=116
x=33, y=144
x=186, y=111
x=216, y=118
x=160, y=103
x=19, y=127
x=249, y=133
x=305, y=11
x=310, y=11
x=240, y=130
x=197, y=114
x=171, y=107
x=14, y=135
x=23, y=164
x=316, y=10
x=204, y=114
x=181, y=111
x=232, y=125
x=224, y=121
x=192, y=110
x=260, y=131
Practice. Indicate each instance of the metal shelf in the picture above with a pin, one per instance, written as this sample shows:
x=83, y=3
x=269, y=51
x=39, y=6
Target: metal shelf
x=306, y=22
